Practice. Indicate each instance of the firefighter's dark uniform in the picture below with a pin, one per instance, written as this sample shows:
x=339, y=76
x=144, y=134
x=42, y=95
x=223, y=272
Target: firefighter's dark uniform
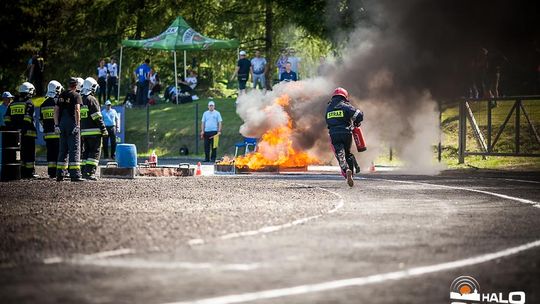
x=70, y=141
x=51, y=138
x=341, y=116
x=92, y=129
x=20, y=116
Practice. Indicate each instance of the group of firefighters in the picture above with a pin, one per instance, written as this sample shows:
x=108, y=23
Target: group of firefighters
x=68, y=119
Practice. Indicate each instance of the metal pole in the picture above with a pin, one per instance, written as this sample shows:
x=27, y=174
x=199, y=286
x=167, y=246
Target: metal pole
x=517, y=121
x=119, y=75
x=439, y=148
x=489, y=127
x=176, y=77
x=185, y=65
x=391, y=153
x=462, y=132
x=196, y=128
x=147, y=127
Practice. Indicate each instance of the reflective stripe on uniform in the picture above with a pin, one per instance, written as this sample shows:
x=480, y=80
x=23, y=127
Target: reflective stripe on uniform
x=96, y=115
x=74, y=167
x=334, y=114
x=92, y=131
x=92, y=162
x=47, y=112
x=28, y=165
x=51, y=165
x=355, y=114
x=27, y=118
x=30, y=133
x=61, y=166
x=50, y=135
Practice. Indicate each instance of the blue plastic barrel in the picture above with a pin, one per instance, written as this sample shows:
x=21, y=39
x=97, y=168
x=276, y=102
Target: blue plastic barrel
x=126, y=155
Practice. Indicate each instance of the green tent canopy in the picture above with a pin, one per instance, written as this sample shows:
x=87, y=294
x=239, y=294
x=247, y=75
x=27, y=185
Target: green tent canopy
x=179, y=36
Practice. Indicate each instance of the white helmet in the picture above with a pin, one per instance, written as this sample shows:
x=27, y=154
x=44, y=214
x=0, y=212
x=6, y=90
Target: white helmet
x=27, y=88
x=80, y=82
x=54, y=89
x=90, y=86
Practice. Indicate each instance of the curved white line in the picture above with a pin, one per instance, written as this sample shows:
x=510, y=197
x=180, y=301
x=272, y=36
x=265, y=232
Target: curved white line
x=146, y=264
x=274, y=228
x=378, y=278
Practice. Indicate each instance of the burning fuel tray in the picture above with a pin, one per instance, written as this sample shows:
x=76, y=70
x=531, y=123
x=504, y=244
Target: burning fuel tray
x=273, y=169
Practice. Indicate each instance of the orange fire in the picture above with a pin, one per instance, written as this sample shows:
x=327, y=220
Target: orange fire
x=275, y=148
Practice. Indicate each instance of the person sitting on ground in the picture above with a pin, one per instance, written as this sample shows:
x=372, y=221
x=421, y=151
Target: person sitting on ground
x=188, y=85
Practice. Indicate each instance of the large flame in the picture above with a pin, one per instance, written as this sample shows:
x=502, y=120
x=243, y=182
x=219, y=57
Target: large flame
x=275, y=148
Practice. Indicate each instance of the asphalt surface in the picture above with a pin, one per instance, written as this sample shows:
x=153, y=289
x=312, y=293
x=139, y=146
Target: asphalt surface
x=252, y=238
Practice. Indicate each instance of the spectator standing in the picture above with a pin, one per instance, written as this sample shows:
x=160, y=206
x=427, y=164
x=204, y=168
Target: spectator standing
x=243, y=67
x=102, y=81
x=112, y=81
x=289, y=74
x=282, y=61
x=36, y=73
x=142, y=74
x=6, y=100
x=295, y=62
x=211, y=125
x=258, y=71
x=112, y=124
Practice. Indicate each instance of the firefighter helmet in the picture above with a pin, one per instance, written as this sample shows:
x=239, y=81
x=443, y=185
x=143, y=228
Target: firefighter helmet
x=54, y=88
x=80, y=82
x=27, y=88
x=342, y=92
x=90, y=86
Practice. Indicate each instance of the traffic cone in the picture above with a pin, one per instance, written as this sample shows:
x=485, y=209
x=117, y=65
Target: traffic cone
x=372, y=168
x=198, y=171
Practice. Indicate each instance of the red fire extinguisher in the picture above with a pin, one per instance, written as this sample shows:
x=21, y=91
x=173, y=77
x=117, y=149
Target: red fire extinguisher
x=359, y=139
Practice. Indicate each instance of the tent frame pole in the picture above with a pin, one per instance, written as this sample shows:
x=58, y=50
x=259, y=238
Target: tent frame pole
x=185, y=65
x=176, y=77
x=119, y=76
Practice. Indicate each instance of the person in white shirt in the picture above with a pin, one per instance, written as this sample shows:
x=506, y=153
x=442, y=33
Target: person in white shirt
x=102, y=81
x=112, y=81
x=211, y=124
x=189, y=84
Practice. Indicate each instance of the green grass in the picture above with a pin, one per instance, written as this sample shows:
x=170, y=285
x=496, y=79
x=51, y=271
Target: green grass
x=504, y=144
x=173, y=126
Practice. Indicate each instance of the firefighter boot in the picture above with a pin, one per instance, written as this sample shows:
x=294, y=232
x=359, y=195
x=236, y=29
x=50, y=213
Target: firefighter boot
x=91, y=173
x=85, y=171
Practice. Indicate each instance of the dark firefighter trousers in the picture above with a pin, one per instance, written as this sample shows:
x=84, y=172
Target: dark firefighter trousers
x=69, y=155
x=341, y=143
x=28, y=156
x=52, y=155
x=91, y=153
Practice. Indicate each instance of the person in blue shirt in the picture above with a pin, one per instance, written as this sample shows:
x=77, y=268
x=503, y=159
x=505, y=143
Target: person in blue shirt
x=289, y=74
x=211, y=124
x=6, y=100
x=112, y=124
x=142, y=74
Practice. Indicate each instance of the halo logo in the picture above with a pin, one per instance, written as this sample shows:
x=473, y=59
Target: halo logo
x=466, y=290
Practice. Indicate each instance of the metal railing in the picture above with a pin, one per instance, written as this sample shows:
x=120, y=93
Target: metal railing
x=487, y=143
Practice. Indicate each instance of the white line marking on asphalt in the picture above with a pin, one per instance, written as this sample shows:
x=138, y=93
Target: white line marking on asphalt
x=146, y=264
x=521, y=200
x=269, y=229
x=360, y=281
x=520, y=180
x=378, y=278
x=92, y=256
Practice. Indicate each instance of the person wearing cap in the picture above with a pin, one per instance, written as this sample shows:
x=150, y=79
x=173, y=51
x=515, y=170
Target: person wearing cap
x=243, y=67
x=112, y=124
x=211, y=124
x=46, y=117
x=20, y=116
x=341, y=116
x=6, y=100
x=67, y=123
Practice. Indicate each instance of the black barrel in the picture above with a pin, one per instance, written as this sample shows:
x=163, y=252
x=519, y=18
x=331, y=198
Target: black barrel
x=10, y=155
